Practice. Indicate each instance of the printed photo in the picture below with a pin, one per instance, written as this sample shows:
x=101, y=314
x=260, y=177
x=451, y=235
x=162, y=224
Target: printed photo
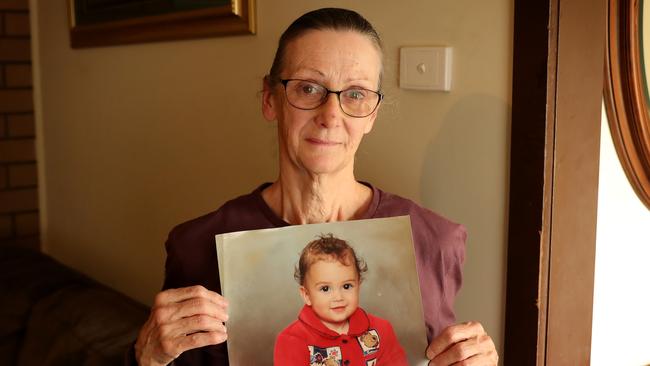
x=324, y=293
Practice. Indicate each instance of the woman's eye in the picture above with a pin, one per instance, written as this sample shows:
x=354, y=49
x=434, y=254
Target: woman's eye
x=355, y=94
x=308, y=89
x=325, y=288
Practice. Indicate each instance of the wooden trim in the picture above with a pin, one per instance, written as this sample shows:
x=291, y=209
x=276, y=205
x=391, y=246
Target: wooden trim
x=533, y=108
x=554, y=181
x=581, y=50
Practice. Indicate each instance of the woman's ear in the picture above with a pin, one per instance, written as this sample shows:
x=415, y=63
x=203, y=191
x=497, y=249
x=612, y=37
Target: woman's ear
x=305, y=296
x=268, y=100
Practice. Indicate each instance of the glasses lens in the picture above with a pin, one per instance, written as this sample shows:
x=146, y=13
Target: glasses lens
x=355, y=102
x=358, y=102
x=305, y=94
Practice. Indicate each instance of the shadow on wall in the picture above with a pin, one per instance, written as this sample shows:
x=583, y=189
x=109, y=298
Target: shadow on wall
x=472, y=153
x=465, y=177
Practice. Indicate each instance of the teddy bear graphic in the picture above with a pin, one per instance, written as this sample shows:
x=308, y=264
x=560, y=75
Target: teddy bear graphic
x=320, y=361
x=324, y=356
x=369, y=342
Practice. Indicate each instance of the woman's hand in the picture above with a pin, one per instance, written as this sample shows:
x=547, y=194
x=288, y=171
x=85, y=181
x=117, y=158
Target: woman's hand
x=463, y=344
x=180, y=320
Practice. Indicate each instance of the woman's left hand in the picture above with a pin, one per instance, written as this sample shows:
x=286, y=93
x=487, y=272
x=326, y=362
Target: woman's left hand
x=463, y=344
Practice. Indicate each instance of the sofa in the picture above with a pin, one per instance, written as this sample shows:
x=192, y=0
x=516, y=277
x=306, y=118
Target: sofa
x=51, y=315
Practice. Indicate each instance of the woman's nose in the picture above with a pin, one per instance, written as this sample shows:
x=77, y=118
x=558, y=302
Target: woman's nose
x=330, y=111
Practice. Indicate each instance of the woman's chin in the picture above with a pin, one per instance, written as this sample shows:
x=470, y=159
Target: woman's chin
x=324, y=167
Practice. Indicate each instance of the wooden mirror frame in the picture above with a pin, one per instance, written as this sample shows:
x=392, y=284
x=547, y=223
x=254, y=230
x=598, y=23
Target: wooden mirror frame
x=625, y=93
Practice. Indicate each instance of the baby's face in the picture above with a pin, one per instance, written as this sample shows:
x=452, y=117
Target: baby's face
x=332, y=290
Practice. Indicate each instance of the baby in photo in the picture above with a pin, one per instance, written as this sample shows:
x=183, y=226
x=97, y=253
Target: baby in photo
x=332, y=330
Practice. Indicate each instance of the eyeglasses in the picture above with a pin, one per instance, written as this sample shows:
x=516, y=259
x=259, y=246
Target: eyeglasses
x=355, y=102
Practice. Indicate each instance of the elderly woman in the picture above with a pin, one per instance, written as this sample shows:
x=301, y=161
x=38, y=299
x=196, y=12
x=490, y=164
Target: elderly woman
x=324, y=92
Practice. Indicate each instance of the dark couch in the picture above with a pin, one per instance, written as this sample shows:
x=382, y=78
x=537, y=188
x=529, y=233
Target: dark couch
x=52, y=315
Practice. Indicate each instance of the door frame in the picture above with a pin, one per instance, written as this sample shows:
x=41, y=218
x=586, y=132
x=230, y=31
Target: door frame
x=555, y=145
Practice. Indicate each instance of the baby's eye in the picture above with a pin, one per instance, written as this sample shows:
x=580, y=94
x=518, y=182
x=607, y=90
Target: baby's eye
x=348, y=286
x=325, y=288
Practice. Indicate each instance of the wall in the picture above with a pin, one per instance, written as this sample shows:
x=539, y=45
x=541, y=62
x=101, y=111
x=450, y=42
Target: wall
x=621, y=298
x=136, y=139
x=18, y=184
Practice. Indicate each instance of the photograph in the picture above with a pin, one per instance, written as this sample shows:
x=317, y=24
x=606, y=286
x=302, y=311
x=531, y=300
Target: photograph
x=281, y=283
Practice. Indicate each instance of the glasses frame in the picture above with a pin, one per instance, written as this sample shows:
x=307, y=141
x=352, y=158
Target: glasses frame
x=284, y=82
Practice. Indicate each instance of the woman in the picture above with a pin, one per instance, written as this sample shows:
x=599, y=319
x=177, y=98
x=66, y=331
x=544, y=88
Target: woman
x=324, y=92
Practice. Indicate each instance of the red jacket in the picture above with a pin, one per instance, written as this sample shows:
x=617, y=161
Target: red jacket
x=307, y=342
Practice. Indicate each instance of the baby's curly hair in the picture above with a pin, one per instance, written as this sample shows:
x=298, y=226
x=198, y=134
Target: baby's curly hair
x=327, y=246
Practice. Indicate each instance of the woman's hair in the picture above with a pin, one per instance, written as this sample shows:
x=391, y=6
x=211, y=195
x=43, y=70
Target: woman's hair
x=327, y=247
x=322, y=19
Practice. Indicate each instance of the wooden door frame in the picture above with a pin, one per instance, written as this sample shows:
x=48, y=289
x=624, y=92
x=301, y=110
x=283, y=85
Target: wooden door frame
x=555, y=137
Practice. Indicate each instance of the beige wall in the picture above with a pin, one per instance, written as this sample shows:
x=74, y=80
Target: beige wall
x=135, y=139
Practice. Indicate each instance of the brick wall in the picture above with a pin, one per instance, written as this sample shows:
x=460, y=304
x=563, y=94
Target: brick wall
x=18, y=184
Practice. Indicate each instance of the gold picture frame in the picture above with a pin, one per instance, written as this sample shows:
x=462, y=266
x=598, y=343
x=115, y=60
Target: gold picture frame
x=107, y=23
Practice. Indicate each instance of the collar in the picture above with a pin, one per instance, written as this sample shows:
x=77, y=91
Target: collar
x=359, y=323
x=279, y=222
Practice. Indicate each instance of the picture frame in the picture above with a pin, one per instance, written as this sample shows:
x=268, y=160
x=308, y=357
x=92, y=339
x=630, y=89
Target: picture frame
x=97, y=23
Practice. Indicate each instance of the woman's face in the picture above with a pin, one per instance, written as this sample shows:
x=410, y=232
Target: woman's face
x=323, y=140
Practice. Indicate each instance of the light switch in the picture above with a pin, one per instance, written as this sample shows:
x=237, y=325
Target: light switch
x=425, y=68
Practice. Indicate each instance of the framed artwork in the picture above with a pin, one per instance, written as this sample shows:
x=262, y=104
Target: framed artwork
x=256, y=270
x=95, y=23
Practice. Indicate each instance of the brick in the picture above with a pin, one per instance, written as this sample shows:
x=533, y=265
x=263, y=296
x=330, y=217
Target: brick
x=22, y=175
x=16, y=24
x=6, y=227
x=18, y=75
x=21, y=125
x=16, y=100
x=14, y=4
x=18, y=200
x=15, y=50
x=26, y=224
x=14, y=151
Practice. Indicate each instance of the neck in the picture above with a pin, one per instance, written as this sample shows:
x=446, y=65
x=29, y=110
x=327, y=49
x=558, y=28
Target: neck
x=340, y=328
x=309, y=198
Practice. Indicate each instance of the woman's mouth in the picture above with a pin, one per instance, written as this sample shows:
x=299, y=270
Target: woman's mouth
x=321, y=142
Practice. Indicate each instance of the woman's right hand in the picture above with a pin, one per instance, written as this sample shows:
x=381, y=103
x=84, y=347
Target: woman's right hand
x=181, y=319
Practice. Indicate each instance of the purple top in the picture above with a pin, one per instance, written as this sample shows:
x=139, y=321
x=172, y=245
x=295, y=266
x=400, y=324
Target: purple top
x=439, y=250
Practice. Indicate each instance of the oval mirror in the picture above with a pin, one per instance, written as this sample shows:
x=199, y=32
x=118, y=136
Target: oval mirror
x=626, y=93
